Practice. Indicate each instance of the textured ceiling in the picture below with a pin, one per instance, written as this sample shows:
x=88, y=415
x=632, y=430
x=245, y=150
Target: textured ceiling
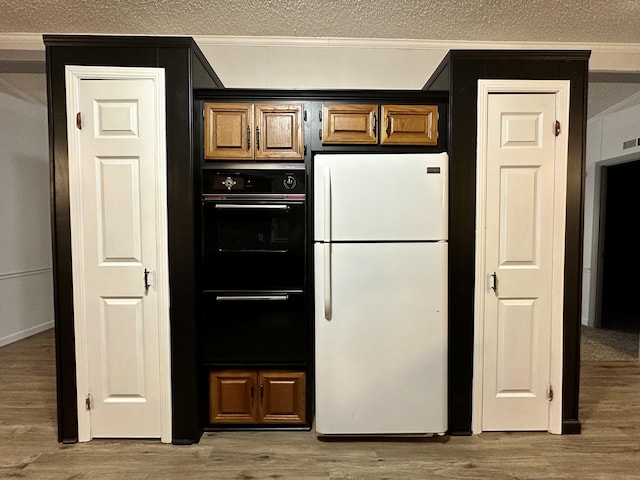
x=614, y=21
x=579, y=21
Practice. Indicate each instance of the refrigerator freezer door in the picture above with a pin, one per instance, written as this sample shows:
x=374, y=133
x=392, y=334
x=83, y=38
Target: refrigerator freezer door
x=380, y=197
x=381, y=356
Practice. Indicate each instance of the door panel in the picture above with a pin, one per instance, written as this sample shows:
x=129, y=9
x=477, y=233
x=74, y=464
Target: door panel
x=349, y=124
x=519, y=246
x=232, y=397
x=409, y=125
x=381, y=353
x=119, y=217
x=228, y=131
x=283, y=398
x=123, y=369
x=362, y=185
x=279, y=132
x=119, y=209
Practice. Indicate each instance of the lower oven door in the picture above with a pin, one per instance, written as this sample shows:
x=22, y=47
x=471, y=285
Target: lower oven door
x=260, y=328
x=256, y=245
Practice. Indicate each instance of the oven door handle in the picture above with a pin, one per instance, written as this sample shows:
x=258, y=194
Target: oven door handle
x=241, y=206
x=252, y=298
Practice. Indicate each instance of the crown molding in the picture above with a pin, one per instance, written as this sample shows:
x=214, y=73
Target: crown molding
x=413, y=44
x=33, y=41
x=21, y=41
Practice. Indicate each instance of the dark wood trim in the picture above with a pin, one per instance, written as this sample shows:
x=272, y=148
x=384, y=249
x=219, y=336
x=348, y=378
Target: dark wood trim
x=61, y=260
x=462, y=69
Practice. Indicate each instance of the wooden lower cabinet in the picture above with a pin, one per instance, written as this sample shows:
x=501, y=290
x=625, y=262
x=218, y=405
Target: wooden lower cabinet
x=257, y=397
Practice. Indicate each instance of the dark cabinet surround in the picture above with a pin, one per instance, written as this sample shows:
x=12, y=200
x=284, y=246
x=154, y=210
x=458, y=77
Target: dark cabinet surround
x=185, y=69
x=190, y=82
x=458, y=74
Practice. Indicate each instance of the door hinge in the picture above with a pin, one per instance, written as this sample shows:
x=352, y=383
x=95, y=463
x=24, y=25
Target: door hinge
x=550, y=393
x=557, y=129
x=87, y=402
x=79, y=120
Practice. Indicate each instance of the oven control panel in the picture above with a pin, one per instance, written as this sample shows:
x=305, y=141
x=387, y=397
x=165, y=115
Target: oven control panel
x=253, y=182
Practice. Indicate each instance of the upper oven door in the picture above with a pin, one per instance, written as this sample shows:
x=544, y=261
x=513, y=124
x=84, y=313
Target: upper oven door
x=253, y=245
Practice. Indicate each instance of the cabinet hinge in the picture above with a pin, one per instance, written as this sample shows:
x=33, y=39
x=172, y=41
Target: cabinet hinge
x=305, y=115
x=87, y=402
x=305, y=150
x=550, y=393
x=79, y=120
x=320, y=115
x=203, y=113
x=557, y=129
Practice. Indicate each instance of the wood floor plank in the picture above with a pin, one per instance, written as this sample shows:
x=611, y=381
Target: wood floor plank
x=608, y=448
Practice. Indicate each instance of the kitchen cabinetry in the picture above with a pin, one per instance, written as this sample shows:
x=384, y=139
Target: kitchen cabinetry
x=252, y=397
x=409, y=125
x=401, y=124
x=245, y=131
x=349, y=124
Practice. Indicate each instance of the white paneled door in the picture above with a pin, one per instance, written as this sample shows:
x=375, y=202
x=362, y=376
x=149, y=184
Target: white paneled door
x=519, y=235
x=118, y=207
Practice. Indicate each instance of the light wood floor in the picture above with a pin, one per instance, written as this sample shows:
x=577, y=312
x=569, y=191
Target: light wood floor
x=608, y=448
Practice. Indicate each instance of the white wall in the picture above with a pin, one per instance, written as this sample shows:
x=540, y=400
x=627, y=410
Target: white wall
x=320, y=64
x=26, y=286
x=605, y=136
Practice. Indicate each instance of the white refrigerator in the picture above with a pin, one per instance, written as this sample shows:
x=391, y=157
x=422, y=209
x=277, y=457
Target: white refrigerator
x=380, y=260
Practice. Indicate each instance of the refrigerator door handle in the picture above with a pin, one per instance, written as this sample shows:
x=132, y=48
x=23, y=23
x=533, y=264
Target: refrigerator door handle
x=327, y=203
x=327, y=281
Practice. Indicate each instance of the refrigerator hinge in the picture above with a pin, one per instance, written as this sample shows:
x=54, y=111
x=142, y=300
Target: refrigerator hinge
x=550, y=393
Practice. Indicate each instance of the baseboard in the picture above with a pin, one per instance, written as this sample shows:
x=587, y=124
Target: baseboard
x=571, y=427
x=14, y=337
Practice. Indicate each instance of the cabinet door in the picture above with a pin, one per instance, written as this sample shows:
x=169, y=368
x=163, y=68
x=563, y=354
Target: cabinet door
x=347, y=123
x=228, y=131
x=409, y=125
x=232, y=396
x=279, y=132
x=282, y=397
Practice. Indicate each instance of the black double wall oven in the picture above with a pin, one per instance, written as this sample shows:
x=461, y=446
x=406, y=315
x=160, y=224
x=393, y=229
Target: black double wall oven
x=253, y=265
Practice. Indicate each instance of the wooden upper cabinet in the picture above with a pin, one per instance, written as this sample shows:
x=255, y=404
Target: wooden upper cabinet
x=282, y=397
x=409, y=125
x=349, y=124
x=228, y=131
x=279, y=132
x=243, y=131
